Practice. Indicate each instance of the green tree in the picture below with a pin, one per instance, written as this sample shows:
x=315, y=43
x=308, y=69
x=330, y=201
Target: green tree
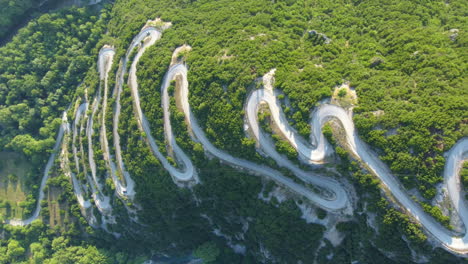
x=78, y=255
x=208, y=252
x=15, y=250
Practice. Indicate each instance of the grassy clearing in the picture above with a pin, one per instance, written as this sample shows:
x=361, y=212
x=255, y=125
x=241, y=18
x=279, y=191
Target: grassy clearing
x=14, y=169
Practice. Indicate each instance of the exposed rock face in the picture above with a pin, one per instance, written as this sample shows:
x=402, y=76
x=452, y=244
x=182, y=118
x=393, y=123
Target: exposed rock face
x=454, y=34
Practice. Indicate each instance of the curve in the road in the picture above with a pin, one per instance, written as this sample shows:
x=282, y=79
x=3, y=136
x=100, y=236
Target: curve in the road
x=187, y=171
x=307, y=152
x=313, y=152
x=338, y=202
x=326, y=112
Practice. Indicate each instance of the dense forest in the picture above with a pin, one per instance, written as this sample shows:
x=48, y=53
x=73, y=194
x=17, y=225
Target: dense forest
x=40, y=71
x=15, y=14
x=405, y=59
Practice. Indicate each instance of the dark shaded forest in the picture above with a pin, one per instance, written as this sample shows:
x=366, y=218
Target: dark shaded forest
x=405, y=59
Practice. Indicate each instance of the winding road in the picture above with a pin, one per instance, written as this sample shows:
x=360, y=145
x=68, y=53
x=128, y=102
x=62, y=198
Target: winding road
x=76, y=183
x=312, y=152
x=326, y=112
x=187, y=172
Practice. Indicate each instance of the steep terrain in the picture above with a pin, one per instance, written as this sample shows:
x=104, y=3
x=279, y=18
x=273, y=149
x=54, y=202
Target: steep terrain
x=172, y=146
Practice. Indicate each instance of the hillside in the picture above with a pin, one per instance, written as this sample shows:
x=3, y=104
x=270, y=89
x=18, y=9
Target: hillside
x=236, y=132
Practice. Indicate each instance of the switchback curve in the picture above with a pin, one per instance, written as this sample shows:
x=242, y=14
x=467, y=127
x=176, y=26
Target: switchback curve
x=311, y=153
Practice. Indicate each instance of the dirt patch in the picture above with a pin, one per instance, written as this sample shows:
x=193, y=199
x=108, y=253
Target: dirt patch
x=258, y=35
x=344, y=96
x=225, y=55
x=378, y=113
x=179, y=54
x=177, y=97
x=264, y=109
x=57, y=214
x=158, y=23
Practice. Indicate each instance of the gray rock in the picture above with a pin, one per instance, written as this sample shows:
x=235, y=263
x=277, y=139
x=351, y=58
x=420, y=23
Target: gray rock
x=454, y=34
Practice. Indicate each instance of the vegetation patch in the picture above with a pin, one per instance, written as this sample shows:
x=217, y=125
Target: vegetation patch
x=15, y=184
